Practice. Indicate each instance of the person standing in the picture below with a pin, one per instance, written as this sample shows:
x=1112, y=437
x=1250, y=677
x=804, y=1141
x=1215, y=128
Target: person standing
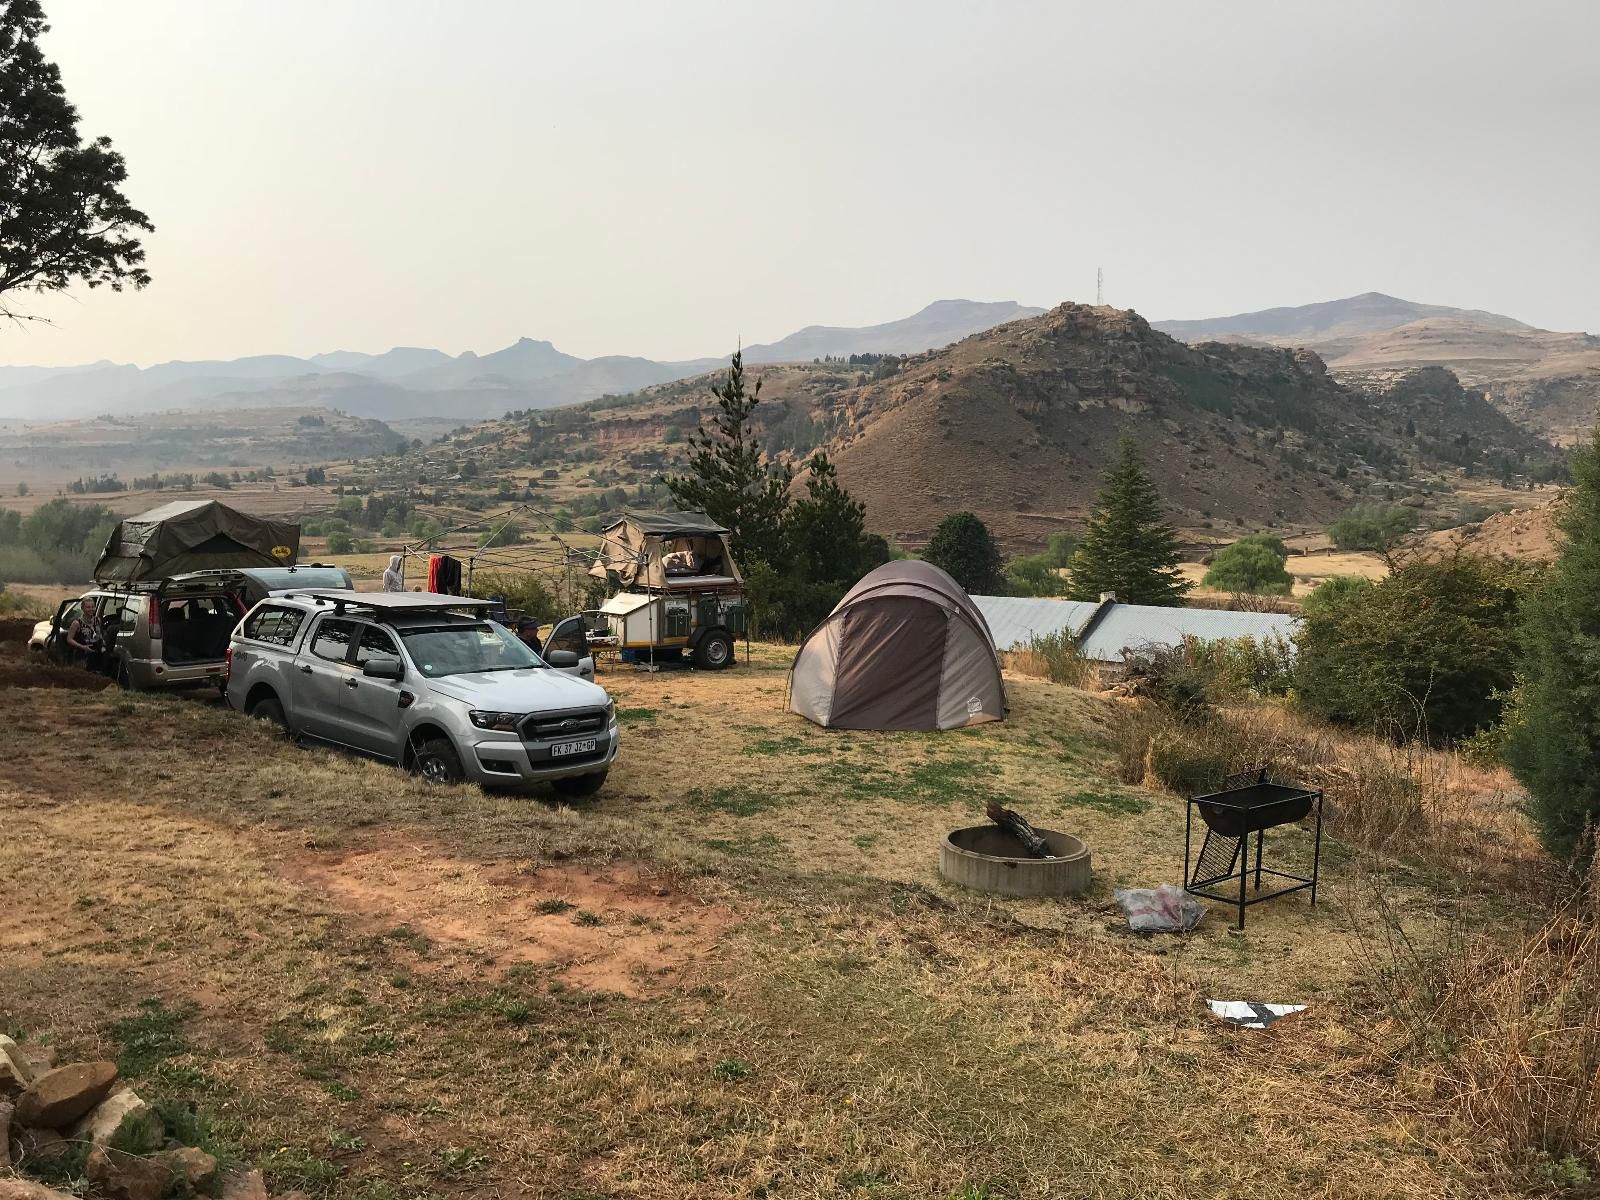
x=393, y=578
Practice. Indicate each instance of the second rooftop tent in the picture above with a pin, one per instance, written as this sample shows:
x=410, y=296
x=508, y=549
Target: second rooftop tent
x=666, y=551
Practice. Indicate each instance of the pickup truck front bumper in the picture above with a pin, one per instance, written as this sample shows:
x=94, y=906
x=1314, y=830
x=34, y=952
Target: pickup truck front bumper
x=509, y=762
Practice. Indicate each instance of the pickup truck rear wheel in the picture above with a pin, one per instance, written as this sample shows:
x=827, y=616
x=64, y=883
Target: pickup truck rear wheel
x=714, y=652
x=437, y=762
x=580, y=785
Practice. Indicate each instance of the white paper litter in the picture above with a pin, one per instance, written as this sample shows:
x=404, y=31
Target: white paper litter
x=1249, y=1014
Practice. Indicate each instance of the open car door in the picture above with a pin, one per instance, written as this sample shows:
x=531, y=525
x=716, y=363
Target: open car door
x=567, y=648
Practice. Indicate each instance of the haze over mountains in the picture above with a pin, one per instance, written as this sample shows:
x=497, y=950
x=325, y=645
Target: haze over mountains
x=418, y=381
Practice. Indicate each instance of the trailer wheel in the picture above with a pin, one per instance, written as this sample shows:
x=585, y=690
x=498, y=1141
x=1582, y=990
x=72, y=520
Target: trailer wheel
x=715, y=651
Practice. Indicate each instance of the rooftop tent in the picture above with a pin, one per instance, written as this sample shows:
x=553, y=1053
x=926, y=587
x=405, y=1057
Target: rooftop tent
x=193, y=535
x=666, y=550
x=905, y=649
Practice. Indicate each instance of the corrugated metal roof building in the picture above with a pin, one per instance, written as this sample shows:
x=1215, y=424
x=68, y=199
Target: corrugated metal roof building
x=1112, y=627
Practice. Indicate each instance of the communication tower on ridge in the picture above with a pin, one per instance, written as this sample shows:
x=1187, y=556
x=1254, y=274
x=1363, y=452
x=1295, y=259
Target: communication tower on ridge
x=1099, y=286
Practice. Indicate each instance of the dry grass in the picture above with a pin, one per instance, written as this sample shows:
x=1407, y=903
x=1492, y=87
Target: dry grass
x=851, y=1027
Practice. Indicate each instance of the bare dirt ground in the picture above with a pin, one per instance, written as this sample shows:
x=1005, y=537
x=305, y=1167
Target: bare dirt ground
x=735, y=973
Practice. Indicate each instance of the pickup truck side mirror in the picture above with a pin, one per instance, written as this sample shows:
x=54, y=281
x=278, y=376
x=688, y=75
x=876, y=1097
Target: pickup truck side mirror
x=384, y=668
x=561, y=659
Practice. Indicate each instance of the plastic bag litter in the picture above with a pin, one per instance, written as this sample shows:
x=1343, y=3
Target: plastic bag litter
x=1165, y=909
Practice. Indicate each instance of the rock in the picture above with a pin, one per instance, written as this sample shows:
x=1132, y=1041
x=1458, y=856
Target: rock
x=246, y=1185
x=119, y=1176
x=121, y=1112
x=194, y=1171
x=16, y=1073
x=59, y=1097
x=32, y=1146
x=6, y=1109
x=25, y=1189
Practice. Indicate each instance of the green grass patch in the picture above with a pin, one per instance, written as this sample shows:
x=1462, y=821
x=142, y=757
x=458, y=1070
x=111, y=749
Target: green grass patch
x=788, y=745
x=761, y=846
x=637, y=714
x=1114, y=803
x=738, y=801
x=149, y=1038
x=552, y=906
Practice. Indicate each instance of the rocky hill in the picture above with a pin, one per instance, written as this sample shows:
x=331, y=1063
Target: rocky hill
x=1546, y=381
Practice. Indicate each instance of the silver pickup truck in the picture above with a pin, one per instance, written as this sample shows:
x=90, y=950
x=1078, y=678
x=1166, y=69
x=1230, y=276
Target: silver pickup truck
x=423, y=681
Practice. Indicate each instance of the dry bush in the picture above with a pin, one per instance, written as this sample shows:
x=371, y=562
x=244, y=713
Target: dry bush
x=1505, y=1031
x=1053, y=656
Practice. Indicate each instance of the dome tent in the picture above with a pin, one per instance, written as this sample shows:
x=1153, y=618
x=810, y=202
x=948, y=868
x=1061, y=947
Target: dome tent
x=905, y=649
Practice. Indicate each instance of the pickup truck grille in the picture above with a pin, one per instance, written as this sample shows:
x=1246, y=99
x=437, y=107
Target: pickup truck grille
x=553, y=727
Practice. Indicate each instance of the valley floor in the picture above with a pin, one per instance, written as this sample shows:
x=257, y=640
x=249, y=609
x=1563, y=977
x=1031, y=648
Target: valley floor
x=735, y=973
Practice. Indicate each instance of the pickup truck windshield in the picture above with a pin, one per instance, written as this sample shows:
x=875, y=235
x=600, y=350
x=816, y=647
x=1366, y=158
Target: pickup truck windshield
x=461, y=649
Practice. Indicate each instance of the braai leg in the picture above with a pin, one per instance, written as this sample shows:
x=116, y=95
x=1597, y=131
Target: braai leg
x=1260, y=833
x=1244, y=871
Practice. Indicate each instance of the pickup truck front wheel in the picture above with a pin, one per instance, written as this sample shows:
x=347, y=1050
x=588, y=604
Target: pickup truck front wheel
x=437, y=762
x=580, y=785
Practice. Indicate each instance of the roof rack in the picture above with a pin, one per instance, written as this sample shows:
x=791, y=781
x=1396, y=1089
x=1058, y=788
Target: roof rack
x=342, y=598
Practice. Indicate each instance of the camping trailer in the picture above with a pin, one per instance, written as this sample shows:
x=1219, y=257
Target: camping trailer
x=681, y=590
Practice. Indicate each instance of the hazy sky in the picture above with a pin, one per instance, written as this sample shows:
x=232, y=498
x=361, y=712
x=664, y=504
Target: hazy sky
x=665, y=178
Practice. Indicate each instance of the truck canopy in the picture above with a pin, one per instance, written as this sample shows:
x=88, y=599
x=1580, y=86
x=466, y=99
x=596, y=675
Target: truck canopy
x=194, y=535
x=667, y=550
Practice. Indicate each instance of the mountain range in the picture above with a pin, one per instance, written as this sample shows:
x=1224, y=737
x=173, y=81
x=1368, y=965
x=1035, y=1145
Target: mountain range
x=416, y=381
x=1017, y=422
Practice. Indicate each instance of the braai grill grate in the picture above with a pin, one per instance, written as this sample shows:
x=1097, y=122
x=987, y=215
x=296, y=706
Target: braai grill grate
x=1246, y=805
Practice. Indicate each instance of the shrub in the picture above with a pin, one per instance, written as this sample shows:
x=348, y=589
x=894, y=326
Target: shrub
x=525, y=594
x=1372, y=526
x=340, y=542
x=1426, y=652
x=1034, y=575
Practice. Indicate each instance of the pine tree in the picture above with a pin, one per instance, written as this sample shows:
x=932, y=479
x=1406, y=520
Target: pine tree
x=1128, y=548
x=730, y=478
x=963, y=547
x=1554, y=741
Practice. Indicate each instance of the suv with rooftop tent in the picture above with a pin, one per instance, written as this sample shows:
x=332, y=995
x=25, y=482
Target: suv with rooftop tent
x=426, y=682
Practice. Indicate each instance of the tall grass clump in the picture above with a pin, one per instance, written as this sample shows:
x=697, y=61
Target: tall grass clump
x=1503, y=1030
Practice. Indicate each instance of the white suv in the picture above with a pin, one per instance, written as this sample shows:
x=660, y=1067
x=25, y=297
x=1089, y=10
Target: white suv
x=411, y=678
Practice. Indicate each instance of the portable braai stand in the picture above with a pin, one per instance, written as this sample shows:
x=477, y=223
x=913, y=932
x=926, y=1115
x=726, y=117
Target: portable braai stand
x=1247, y=804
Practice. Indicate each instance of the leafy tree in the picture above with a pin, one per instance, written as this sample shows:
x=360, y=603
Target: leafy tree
x=340, y=542
x=730, y=478
x=1254, y=563
x=1553, y=745
x=963, y=547
x=506, y=535
x=1128, y=547
x=1372, y=526
x=316, y=476
x=63, y=217
x=1427, y=651
x=22, y=487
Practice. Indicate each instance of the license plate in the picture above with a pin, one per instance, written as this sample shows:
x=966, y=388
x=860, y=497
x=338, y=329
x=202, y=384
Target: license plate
x=561, y=749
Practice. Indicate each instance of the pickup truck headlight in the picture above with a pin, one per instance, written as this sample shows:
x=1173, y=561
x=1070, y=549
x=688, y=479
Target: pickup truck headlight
x=611, y=711
x=504, y=722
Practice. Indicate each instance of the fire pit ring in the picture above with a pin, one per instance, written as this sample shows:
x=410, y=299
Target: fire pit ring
x=988, y=859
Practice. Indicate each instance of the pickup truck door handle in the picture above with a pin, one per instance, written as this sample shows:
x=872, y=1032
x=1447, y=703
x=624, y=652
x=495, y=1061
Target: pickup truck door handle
x=305, y=668
x=351, y=683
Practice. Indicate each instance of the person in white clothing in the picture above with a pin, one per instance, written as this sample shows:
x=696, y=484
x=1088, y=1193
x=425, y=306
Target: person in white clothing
x=393, y=580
